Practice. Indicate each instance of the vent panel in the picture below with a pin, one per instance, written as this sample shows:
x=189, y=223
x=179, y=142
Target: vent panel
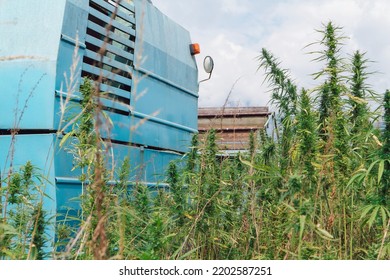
x=109, y=50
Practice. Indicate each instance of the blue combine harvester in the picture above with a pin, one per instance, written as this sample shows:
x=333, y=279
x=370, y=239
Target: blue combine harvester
x=150, y=80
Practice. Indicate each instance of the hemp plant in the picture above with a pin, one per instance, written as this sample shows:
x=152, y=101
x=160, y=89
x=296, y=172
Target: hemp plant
x=22, y=235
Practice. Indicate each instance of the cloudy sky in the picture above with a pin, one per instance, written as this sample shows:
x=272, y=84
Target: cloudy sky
x=234, y=31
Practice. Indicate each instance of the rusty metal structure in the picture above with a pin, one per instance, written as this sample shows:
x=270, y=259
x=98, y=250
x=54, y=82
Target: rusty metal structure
x=232, y=124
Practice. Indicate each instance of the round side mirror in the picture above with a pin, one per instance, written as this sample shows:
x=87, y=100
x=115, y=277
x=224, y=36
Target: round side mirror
x=208, y=64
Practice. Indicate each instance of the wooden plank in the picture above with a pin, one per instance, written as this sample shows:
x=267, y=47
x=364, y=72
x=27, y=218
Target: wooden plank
x=232, y=111
x=232, y=123
x=225, y=143
x=233, y=137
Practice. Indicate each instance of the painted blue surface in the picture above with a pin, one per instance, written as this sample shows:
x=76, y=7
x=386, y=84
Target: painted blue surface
x=153, y=110
x=29, y=40
x=164, y=47
x=26, y=101
x=167, y=77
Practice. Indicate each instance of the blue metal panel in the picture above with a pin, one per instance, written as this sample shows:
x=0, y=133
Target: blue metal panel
x=116, y=91
x=165, y=48
x=129, y=17
x=107, y=74
x=65, y=163
x=173, y=104
x=147, y=167
x=26, y=97
x=109, y=61
x=68, y=194
x=35, y=76
x=28, y=77
x=22, y=32
x=156, y=163
x=65, y=84
x=157, y=133
x=166, y=81
x=105, y=18
x=75, y=19
x=73, y=35
x=110, y=48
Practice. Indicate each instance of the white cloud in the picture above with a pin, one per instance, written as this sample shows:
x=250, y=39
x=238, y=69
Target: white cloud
x=233, y=7
x=226, y=49
x=233, y=33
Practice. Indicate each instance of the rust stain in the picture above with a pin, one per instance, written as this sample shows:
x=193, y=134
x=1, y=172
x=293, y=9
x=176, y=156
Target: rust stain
x=10, y=22
x=19, y=57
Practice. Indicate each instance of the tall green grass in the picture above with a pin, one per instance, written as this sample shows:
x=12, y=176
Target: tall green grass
x=318, y=188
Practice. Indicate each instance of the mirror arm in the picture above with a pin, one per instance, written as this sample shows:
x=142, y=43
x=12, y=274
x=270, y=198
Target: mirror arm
x=206, y=78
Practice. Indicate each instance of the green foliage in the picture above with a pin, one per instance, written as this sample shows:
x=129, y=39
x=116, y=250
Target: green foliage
x=325, y=151
x=318, y=190
x=284, y=91
x=358, y=98
x=177, y=191
x=307, y=134
x=285, y=97
x=193, y=154
x=330, y=92
x=22, y=228
x=385, y=151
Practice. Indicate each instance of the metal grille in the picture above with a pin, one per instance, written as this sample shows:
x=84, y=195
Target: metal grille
x=109, y=51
